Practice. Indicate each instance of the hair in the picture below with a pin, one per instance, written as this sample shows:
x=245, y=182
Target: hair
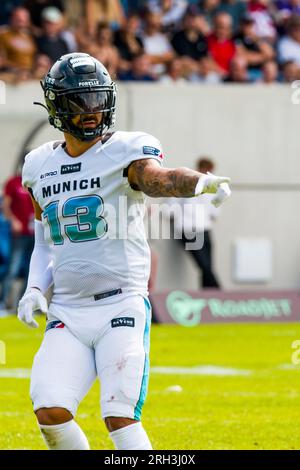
x=293, y=23
x=102, y=25
x=205, y=164
x=286, y=63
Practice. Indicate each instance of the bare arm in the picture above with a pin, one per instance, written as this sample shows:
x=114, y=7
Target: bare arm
x=148, y=176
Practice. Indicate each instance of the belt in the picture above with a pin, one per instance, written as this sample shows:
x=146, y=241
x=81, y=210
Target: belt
x=104, y=295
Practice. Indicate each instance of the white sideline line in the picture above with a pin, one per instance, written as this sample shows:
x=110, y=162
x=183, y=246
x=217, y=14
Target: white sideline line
x=208, y=370
x=289, y=366
x=15, y=373
x=200, y=370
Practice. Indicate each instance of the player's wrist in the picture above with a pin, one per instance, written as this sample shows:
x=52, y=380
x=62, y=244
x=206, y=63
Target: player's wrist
x=33, y=289
x=201, y=185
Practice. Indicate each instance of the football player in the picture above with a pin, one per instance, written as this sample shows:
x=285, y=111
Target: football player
x=98, y=320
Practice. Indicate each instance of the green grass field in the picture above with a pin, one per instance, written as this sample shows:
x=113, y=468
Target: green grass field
x=258, y=407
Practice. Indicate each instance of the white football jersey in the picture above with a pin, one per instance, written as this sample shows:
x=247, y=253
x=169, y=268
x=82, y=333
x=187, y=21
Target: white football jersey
x=92, y=218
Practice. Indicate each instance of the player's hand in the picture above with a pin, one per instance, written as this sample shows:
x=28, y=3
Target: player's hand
x=32, y=301
x=211, y=184
x=222, y=194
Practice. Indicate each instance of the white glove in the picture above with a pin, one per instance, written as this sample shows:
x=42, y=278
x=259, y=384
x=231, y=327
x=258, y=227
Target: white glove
x=222, y=194
x=212, y=184
x=33, y=300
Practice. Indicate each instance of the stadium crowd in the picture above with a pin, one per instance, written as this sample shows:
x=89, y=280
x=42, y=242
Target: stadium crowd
x=169, y=41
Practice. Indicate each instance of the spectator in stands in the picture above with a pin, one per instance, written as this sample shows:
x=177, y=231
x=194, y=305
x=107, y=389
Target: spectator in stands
x=128, y=42
x=74, y=13
x=171, y=11
x=289, y=46
x=4, y=247
x=209, y=9
x=51, y=42
x=132, y=6
x=174, y=73
x=254, y=49
x=236, y=9
x=141, y=70
x=238, y=72
x=270, y=72
x=220, y=43
x=18, y=210
x=6, y=74
x=156, y=44
x=36, y=7
x=190, y=42
x=282, y=10
x=264, y=25
x=287, y=8
x=16, y=42
x=290, y=72
x=41, y=66
x=189, y=224
x=104, y=49
x=205, y=73
x=104, y=11
x=6, y=8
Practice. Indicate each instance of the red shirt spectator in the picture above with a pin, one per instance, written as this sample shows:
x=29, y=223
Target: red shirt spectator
x=220, y=44
x=221, y=51
x=18, y=202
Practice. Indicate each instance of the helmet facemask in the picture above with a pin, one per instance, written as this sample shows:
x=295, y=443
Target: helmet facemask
x=64, y=106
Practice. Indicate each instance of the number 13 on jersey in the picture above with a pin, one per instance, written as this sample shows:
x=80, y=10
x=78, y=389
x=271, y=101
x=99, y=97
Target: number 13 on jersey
x=88, y=210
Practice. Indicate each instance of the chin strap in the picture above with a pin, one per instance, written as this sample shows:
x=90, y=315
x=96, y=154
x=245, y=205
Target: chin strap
x=41, y=104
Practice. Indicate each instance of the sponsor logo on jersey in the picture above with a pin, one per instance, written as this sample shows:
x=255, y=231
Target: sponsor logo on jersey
x=48, y=175
x=70, y=168
x=54, y=324
x=147, y=150
x=122, y=321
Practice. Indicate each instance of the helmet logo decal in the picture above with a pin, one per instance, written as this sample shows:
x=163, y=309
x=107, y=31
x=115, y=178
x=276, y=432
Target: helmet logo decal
x=89, y=83
x=50, y=80
x=79, y=62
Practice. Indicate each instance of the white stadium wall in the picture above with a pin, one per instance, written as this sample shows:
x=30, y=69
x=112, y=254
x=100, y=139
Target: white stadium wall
x=252, y=133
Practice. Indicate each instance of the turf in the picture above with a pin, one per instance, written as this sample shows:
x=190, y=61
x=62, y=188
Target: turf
x=260, y=410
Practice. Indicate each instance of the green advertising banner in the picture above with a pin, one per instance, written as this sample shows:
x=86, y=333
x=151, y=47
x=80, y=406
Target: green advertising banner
x=190, y=308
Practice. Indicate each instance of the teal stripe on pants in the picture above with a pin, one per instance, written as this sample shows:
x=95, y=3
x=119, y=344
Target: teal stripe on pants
x=145, y=381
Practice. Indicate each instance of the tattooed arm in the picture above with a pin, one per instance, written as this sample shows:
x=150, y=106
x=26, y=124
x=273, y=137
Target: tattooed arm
x=148, y=176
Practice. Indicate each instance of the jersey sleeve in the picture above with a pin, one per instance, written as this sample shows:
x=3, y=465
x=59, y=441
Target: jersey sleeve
x=27, y=172
x=145, y=146
x=34, y=162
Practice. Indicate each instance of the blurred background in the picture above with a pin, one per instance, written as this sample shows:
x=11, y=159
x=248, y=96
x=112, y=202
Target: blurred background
x=211, y=79
x=216, y=81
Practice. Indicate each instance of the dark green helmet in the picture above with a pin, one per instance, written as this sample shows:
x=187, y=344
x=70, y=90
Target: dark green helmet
x=78, y=84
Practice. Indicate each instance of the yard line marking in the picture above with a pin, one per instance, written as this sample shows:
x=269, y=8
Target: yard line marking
x=15, y=373
x=198, y=370
x=205, y=370
x=201, y=370
x=289, y=366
